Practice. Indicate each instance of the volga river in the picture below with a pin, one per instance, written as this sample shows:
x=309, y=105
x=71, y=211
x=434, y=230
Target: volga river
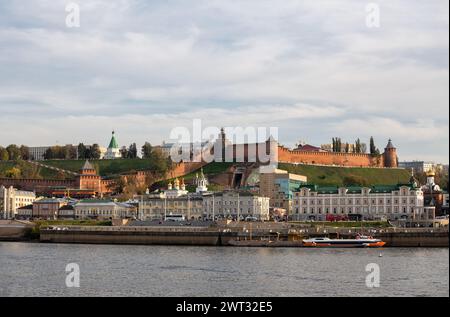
x=32, y=269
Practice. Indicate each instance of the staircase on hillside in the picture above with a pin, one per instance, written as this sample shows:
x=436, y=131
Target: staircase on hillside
x=52, y=168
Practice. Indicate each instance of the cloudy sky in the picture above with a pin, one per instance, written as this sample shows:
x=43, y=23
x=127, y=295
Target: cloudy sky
x=312, y=68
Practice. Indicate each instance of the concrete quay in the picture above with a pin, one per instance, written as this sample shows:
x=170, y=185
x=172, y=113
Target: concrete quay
x=224, y=236
x=12, y=230
x=200, y=236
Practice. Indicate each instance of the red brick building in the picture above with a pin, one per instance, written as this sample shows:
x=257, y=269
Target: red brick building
x=87, y=180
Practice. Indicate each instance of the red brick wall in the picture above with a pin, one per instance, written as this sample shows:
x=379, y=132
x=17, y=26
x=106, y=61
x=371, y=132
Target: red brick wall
x=328, y=158
x=42, y=185
x=36, y=184
x=182, y=169
x=178, y=170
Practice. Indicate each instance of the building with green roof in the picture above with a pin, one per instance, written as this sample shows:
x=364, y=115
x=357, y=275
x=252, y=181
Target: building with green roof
x=113, y=151
x=381, y=202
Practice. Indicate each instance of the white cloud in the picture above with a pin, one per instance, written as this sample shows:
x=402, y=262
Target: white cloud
x=144, y=67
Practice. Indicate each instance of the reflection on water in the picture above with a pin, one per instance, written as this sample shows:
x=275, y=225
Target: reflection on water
x=39, y=270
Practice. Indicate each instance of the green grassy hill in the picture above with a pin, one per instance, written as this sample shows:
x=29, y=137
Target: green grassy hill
x=103, y=167
x=5, y=166
x=320, y=175
x=27, y=170
x=339, y=176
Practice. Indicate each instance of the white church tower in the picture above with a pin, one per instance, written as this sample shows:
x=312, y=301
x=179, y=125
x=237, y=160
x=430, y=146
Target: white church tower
x=201, y=182
x=113, y=151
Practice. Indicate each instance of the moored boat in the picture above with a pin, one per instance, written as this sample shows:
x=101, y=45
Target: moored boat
x=359, y=242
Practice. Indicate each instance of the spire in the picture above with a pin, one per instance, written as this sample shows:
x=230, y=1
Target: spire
x=113, y=143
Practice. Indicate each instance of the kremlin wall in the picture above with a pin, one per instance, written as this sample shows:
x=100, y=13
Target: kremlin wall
x=243, y=153
x=87, y=182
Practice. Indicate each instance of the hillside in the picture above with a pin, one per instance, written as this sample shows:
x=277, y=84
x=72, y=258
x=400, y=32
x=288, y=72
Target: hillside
x=211, y=170
x=338, y=176
x=103, y=167
x=26, y=170
x=321, y=175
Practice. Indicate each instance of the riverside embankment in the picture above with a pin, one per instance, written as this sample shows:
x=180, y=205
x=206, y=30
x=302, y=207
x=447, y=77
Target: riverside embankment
x=12, y=230
x=138, y=235
x=226, y=236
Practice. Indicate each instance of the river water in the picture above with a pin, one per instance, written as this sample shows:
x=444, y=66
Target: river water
x=33, y=269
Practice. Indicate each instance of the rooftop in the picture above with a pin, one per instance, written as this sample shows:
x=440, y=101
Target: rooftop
x=113, y=143
x=87, y=166
x=356, y=189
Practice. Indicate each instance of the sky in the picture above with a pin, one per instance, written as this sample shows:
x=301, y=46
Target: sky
x=312, y=68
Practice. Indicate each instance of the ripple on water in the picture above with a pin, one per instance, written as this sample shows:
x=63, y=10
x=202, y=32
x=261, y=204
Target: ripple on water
x=39, y=270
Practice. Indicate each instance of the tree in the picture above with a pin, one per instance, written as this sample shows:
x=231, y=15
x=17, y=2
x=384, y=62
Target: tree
x=338, y=145
x=159, y=163
x=14, y=172
x=24, y=153
x=13, y=152
x=373, y=148
x=132, y=151
x=70, y=152
x=124, y=152
x=4, y=155
x=28, y=170
x=146, y=150
x=95, y=152
x=347, y=148
x=81, y=151
x=358, y=146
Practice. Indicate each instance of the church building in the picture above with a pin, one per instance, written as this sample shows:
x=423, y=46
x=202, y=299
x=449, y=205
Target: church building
x=113, y=151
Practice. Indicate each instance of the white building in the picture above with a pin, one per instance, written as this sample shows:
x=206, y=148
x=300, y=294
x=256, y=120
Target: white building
x=403, y=201
x=158, y=207
x=12, y=199
x=101, y=210
x=418, y=166
x=201, y=183
x=235, y=205
x=37, y=153
x=176, y=190
x=113, y=150
x=446, y=198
